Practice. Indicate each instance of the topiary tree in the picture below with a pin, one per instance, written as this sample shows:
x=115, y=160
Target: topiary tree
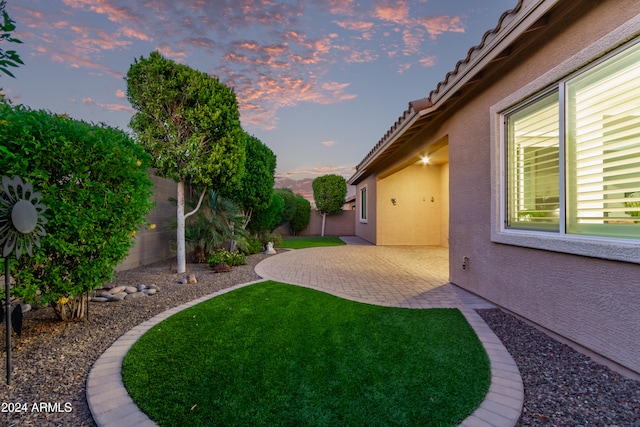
x=301, y=217
x=253, y=190
x=93, y=180
x=190, y=124
x=289, y=209
x=267, y=219
x=329, y=192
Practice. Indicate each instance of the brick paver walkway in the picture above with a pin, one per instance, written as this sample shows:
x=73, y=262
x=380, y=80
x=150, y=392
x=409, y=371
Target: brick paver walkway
x=410, y=276
x=397, y=276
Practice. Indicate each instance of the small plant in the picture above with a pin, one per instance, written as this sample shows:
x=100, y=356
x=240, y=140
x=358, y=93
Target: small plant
x=254, y=245
x=274, y=238
x=223, y=256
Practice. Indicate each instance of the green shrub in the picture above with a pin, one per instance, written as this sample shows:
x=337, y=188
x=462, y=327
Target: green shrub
x=254, y=245
x=274, y=238
x=223, y=256
x=302, y=216
x=93, y=180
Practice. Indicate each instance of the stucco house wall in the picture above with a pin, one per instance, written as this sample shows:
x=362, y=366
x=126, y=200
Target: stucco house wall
x=587, y=300
x=585, y=292
x=416, y=216
x=366, y=229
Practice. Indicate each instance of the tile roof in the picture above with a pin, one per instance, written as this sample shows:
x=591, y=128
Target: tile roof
x=439, y=93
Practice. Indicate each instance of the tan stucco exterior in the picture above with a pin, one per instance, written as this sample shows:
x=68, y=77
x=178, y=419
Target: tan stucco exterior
x=419, y=213
x=587, y=292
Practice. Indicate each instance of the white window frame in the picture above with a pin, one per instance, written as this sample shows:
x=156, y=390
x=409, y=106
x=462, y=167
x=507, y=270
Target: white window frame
x=363, y=205
x=618, y=249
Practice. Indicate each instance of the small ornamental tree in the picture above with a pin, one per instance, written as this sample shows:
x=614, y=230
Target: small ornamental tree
x=190, y=124
x=329, y=192
x=267, y=219
x=302, y=215
x=94, y=182
x=289, y=204
x=253, y=190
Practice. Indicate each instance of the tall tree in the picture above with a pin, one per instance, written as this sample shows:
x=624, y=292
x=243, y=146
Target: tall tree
x=329, y=192
x=190, y=124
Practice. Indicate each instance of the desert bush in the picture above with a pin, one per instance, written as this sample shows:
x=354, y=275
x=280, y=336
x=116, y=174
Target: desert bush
x=274, y=238
x=223, y=256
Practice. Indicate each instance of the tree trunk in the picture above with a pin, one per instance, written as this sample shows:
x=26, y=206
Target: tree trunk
x=324, y=217
x=74, y=309
x=181, y=254
x=181, y=218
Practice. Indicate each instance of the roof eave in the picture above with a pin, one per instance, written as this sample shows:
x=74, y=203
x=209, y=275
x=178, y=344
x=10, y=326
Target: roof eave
x=522, y=16
x=417, y=109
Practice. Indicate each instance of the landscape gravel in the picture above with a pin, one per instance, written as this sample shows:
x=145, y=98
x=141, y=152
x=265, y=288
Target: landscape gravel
x=52, y=359
x=563, y=387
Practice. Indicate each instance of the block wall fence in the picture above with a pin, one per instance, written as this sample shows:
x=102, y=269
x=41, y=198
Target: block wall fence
x=158, y=244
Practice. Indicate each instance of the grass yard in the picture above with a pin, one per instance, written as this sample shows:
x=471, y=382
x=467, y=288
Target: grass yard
x=310, y=242
x=272, y=354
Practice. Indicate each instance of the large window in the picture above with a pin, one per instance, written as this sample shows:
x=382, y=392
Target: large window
x=573, y=154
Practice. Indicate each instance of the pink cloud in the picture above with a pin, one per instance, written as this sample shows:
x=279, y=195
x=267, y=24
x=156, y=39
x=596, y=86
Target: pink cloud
x=169, y=52
x=404, y=67
x=135, y=34
x=117, y=107
x=106, y=106
x=281, y=64
x=95, y=40
x=318, y=171
x=361, y=26
x=328, y=143
x=120, y=94
x=427, y=61
x=397, y=12
x=412, y=42
x=441, y=24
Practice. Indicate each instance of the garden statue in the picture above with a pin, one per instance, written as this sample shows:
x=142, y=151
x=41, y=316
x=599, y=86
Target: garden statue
x=270, y=250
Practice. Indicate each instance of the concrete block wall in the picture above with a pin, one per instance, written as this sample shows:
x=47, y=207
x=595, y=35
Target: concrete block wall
x=155, y=245
x=340, y=224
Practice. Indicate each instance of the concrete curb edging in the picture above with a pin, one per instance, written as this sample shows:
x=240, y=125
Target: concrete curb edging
x=502, y=405
x=108, y=400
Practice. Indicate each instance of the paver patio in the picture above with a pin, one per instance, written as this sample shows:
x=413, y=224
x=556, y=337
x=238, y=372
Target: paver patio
x=397, y=276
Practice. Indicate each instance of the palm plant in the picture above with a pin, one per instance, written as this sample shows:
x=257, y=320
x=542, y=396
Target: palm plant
x=216, y=225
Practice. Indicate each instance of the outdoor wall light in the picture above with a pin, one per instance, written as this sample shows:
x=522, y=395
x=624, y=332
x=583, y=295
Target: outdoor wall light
x=393, y=201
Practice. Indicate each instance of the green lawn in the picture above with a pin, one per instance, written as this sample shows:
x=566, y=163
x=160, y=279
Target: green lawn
x=310, y=242
x=272, y=354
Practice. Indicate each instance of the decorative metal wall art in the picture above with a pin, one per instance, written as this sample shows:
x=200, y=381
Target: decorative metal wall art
x=21, y=226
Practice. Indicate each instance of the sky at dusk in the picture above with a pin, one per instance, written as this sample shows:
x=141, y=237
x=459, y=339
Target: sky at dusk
x=319, y=82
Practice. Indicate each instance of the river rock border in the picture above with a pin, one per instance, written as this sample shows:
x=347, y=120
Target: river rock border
x=112, y=293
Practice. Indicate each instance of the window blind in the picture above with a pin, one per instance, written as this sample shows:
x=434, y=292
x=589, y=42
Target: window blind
x=603, y=143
